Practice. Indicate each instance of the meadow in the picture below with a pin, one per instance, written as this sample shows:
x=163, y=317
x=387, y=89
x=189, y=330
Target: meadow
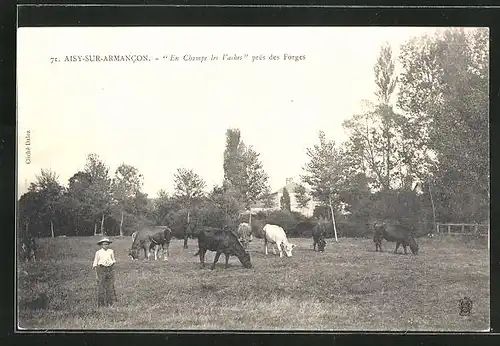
x=348, y=287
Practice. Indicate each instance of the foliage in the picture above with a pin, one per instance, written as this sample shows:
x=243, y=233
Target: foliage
x=301, y=196
x=244, y=170
x=444, y=96
x=428, y=125
x=188, y=188
x=285, y=201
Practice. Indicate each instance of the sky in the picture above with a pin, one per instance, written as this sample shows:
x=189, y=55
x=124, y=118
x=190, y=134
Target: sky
x=161, y=115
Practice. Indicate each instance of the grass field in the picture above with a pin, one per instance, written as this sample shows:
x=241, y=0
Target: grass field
x=349, y=287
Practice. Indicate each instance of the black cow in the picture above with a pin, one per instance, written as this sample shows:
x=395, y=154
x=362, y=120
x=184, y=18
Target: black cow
x=183, y=232
x=149, y=238
x=222, y=242
x=28, y=247
x=318, y=234
x=394, y=232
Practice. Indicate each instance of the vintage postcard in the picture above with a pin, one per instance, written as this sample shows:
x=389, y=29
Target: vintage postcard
x=253, y=178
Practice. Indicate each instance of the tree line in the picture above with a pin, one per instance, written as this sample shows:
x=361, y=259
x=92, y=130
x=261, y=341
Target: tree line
x=419, y=153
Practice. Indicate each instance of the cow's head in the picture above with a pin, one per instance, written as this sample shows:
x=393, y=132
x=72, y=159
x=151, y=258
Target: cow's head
x=245, y=260
x=288, y=248
x=134, y=254
x=321, y=245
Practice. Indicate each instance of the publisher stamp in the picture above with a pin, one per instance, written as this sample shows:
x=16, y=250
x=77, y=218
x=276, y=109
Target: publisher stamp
x=465, y=306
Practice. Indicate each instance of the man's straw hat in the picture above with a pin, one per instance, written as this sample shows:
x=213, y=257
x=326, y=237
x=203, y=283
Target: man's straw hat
x=104, y=240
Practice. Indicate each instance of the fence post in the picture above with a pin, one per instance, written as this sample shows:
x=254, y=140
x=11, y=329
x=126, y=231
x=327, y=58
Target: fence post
x=463, y=228
x=437, y=228
x=449, y=229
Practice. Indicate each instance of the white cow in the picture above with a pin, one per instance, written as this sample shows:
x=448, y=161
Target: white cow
x=277, y=237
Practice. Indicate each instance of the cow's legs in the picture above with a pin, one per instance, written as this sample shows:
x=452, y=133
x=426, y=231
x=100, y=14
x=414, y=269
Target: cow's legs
x=314, y=245
x=227, y=260
x=165, y=254
x=217, y=255
x=186, y=240
x=202, y=257
x=404, y=248
x=156, y=252
x=397, y=247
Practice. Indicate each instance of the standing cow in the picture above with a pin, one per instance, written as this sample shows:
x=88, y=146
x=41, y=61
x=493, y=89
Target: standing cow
x=222, y=242
x=393, y=232
x=318, y=234
x=149, y=238
x=276, y=236
x=244, y=234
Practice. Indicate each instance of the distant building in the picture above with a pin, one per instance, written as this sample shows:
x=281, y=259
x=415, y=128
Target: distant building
x=276, y=197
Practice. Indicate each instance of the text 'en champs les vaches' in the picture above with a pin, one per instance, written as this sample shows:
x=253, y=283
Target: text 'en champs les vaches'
x=186, y=57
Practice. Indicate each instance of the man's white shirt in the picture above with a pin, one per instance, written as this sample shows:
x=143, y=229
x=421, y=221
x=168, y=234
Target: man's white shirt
x=104, y=257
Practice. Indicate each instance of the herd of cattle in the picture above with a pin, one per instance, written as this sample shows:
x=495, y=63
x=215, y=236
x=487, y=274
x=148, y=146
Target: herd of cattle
x=225, y=241
x=229, y=243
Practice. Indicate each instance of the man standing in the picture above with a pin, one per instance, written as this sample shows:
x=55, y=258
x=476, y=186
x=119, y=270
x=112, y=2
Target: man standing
x=104, y=261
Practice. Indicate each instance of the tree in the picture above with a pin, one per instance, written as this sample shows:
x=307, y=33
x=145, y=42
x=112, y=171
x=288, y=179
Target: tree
x=253, y=184
x=244, y=170
x=444, y=96
x=285, y=201
x=233, y=157
x=80, y=202
x=99, y=188
x=324, y=174
x=188, y=188
x=126, y=188
x=223, y=206
x=378, y=143
x=48, y=192
x=301, y=196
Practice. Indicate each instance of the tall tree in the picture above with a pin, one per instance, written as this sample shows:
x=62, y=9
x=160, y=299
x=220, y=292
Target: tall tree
x=285, y=201
x=301, y=196
x=188, y=188
x=233, y=156
x=244, y=170
x=99, y=188
x=444, y=95
x=386, y=82
x=324, y=174
x=126, y=186
x=375, y=138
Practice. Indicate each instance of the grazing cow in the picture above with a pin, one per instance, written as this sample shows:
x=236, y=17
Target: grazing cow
x=276, y=236
x=398, y=233
x=318, y=234
x=244, y=234
x=222, y=242
x=149, y=238
x=28, y=247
